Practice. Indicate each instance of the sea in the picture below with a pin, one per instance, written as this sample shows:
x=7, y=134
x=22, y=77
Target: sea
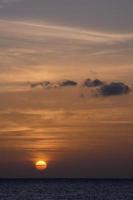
x=65, y=189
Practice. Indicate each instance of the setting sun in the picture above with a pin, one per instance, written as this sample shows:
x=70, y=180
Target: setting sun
x=41, y=165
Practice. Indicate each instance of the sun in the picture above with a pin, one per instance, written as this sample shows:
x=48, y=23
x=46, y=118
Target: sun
x=41, y=165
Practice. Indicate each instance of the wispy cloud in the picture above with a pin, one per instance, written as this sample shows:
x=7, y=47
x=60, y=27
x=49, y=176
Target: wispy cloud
x=64, y=32
x=33, y=51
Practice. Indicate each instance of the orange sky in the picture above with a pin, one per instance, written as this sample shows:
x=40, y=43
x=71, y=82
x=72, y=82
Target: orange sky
x=66, y=131
x=76, y=130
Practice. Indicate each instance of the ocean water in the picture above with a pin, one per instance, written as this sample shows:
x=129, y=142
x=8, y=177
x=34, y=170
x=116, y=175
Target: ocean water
x=66, y=189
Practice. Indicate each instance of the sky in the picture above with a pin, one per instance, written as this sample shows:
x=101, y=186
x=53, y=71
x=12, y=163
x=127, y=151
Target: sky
x=78, y=131
x=40, y=39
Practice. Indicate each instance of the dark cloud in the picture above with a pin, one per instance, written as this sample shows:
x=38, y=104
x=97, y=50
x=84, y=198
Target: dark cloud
x=44, y=84
x=114, y=88
x=99, y=86
x=92, y=83
x=48, y=84
x=33, y=85
x=67, y=83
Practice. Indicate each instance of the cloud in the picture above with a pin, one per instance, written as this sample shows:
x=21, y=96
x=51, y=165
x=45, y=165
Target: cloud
x=37, y=51
x=74, y=33
x=92, y=83
x=67, y=83
x=114, y=88
x=57, y=84
x=43, y=84
x=97, y=87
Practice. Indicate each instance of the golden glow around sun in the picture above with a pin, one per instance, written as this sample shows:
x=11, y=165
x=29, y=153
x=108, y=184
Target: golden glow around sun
x=41, y=165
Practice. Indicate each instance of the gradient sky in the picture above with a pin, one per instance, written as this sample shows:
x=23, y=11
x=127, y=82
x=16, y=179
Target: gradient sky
x=78, y=134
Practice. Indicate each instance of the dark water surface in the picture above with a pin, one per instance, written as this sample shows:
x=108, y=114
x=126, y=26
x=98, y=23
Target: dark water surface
x=66, y=189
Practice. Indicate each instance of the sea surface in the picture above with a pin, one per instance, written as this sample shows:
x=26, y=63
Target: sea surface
x=66, y=189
